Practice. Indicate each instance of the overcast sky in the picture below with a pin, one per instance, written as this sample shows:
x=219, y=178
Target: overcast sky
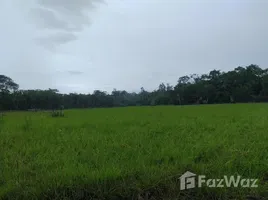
x=84, y=45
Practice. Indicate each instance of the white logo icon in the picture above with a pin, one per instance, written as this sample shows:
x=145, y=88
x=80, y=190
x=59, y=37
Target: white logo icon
x=187, y=180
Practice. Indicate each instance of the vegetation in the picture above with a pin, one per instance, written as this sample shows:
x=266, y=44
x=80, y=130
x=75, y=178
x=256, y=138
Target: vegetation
x=57, y=114
x=133, y=153
x=243, y=84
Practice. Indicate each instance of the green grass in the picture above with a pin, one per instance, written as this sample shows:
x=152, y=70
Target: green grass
x=122, y=153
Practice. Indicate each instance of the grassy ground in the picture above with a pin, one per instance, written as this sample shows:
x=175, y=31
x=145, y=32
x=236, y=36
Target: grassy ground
x=133, y=152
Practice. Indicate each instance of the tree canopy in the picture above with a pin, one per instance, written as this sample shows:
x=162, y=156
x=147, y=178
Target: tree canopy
x=7, y=84
x=243, y=84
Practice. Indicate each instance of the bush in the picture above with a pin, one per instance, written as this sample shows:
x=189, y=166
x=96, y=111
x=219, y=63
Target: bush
x=56, y=113
x=1, y=118
x=27, y=125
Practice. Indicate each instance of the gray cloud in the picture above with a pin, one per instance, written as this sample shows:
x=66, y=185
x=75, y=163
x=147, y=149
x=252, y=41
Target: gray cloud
x=74, y=72
x=68, y=16
x=77, y=6
x=53, y=40
x=48, y=19
x=129, y=44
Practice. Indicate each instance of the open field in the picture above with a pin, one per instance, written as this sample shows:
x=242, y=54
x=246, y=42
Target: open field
x=133, y=152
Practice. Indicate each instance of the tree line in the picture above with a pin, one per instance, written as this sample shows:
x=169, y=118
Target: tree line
x=243, y=84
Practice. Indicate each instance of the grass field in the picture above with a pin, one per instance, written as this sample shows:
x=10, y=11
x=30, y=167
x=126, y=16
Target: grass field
x=134, y=152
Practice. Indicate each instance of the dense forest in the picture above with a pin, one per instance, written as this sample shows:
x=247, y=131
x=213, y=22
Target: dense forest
x=243, y=84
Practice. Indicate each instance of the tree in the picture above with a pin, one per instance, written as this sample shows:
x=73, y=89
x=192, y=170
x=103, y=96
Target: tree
x=7, y=84
x=243, y=84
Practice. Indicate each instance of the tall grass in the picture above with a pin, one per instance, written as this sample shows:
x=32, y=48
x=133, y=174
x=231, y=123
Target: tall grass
x=133, y=153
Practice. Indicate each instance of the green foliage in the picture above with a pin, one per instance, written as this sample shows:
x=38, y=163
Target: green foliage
x=1, y=120
x=7, y=84
x=243, y=84
x=124, y=153
x=57, y=113
x=27, y=125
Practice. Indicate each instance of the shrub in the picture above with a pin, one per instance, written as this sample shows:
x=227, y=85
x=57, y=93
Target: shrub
x=1, y=119
x=56, y=113
x=27, y=125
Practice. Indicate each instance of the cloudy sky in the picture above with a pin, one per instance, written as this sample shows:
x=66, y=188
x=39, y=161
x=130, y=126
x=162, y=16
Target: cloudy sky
x=84, y=45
